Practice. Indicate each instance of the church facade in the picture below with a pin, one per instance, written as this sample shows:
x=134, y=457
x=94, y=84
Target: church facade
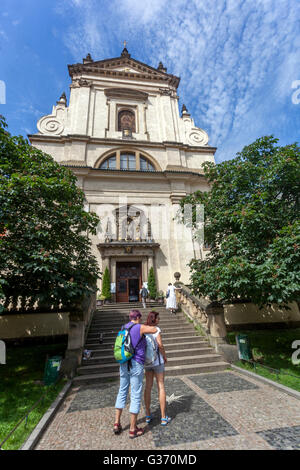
x=135, y=157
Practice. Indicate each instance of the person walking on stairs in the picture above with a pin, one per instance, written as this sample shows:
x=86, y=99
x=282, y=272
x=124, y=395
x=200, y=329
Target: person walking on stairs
x=133, y=376
x=144, y=295
x=157, y=370
x=171, y=297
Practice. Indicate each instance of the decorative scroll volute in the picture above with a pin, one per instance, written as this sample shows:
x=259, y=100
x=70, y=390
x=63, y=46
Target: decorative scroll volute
x=53, y=124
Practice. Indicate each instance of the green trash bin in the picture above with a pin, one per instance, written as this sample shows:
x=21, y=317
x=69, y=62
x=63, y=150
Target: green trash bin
x=52, y=369
x=244, y=349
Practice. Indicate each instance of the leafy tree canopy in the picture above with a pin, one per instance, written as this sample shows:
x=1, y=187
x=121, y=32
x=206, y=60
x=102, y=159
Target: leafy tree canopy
x=106, y=292
x=152, y=284
x=45, y=250
x=251, y=222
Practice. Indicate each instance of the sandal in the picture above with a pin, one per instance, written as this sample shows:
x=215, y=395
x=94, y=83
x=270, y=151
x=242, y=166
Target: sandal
x=136, y=433
x=165, y=421
x=149, y=419
x=117, y=428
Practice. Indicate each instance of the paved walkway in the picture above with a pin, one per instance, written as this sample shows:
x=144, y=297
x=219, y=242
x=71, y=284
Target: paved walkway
x=222, y=410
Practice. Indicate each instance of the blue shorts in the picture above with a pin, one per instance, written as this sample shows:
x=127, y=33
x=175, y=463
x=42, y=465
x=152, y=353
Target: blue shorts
x=156, y=369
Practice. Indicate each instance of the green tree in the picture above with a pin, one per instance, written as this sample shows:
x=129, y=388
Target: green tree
x=251, y=222
x=106, y=285
x=45, y=250
x=152, y=284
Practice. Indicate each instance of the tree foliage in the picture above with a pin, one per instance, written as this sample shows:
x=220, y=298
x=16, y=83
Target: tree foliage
x=106, y=292
x=152, y=284
x=251, y=222
x=45, y=250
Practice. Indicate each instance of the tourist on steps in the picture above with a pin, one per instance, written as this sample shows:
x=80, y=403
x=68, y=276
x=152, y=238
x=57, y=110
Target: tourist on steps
x=144, y=295
x=171, y=298
x=133, y=376
x=157, y=370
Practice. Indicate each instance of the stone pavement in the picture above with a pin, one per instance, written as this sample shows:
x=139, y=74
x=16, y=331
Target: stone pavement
x=221, y=410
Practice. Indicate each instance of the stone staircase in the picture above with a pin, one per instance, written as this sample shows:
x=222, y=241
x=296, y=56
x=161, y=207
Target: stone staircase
x=187, y=352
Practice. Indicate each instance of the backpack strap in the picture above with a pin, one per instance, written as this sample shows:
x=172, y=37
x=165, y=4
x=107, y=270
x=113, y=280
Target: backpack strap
x=129, y=365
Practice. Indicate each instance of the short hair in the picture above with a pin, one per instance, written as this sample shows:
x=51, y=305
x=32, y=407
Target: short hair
x=151, y=319
x=135, y=314
x=170, y=283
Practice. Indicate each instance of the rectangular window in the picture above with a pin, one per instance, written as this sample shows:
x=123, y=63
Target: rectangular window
x=122, y=288
x=123, y=162
x=131, y=162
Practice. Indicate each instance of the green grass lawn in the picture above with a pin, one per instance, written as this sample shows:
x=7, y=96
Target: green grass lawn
x=272, y=348
x=19, y=391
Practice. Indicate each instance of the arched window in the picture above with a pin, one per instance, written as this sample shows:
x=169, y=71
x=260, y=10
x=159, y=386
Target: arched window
x=145, y=165
x=110, y=163
x=130, y=161
x=126, y=120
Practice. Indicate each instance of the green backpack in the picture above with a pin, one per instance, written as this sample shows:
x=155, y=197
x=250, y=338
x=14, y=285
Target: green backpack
x=123, y=349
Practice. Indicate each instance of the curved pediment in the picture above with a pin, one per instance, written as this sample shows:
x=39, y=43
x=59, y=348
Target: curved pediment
x=127, y=93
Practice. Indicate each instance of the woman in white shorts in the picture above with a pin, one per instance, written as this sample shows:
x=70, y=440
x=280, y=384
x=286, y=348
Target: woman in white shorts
x=157, y=370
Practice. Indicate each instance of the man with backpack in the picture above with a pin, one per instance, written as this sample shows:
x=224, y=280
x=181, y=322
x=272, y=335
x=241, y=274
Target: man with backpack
x=144, y=295
x=132, y=372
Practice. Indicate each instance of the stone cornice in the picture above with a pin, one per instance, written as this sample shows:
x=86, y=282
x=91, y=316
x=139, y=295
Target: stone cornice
x=105, y=141
x=124, y=243
x=126, y=93
x=135, y=174
x=107, y=68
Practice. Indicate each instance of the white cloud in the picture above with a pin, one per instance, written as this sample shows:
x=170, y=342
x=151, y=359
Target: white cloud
x=234, y=57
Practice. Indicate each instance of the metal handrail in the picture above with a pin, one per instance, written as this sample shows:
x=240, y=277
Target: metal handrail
x=26, y=415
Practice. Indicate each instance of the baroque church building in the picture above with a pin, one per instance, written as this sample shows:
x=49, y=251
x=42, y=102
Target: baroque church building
x=135, y=157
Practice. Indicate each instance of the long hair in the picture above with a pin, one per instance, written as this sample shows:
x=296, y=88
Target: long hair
x=151, y=319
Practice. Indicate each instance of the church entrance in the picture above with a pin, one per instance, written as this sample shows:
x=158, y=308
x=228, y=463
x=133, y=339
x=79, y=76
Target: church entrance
x=129, y=281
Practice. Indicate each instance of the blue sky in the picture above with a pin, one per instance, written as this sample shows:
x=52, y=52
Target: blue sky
x=237, y=60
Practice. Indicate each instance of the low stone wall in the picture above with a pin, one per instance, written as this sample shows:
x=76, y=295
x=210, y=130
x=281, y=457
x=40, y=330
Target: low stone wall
x=250, y=314
x=32, y=325
x=74, y=324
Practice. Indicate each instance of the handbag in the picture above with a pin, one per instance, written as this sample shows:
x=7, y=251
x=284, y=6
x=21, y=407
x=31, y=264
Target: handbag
x=167, y=294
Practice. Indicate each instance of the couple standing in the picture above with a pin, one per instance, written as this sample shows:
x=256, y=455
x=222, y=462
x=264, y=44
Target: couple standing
x=133, y=376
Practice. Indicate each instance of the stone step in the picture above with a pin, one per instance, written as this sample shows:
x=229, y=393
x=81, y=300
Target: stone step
x=128, y=307
x=118, y=324
x=87, y=379
x=106, y=356
x=170, y=329
x=108, y=316
x=167, y=341
x=175, y=361
x=116, y=328
x=167, y=337
x=107, y=349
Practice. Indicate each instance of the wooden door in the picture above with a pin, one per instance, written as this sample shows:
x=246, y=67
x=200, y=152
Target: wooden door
x=126, y=272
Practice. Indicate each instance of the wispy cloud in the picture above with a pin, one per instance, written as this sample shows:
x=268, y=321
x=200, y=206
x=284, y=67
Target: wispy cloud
x=236, y=58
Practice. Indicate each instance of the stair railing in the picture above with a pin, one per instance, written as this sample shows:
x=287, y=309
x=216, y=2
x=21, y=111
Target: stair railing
x=205, y=314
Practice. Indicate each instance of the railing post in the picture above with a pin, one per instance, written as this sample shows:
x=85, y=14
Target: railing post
x=216, y=324
x=78, y=321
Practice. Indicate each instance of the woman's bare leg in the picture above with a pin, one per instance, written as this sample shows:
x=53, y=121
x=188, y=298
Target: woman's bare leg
x=148, y=387
x=160, y=379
